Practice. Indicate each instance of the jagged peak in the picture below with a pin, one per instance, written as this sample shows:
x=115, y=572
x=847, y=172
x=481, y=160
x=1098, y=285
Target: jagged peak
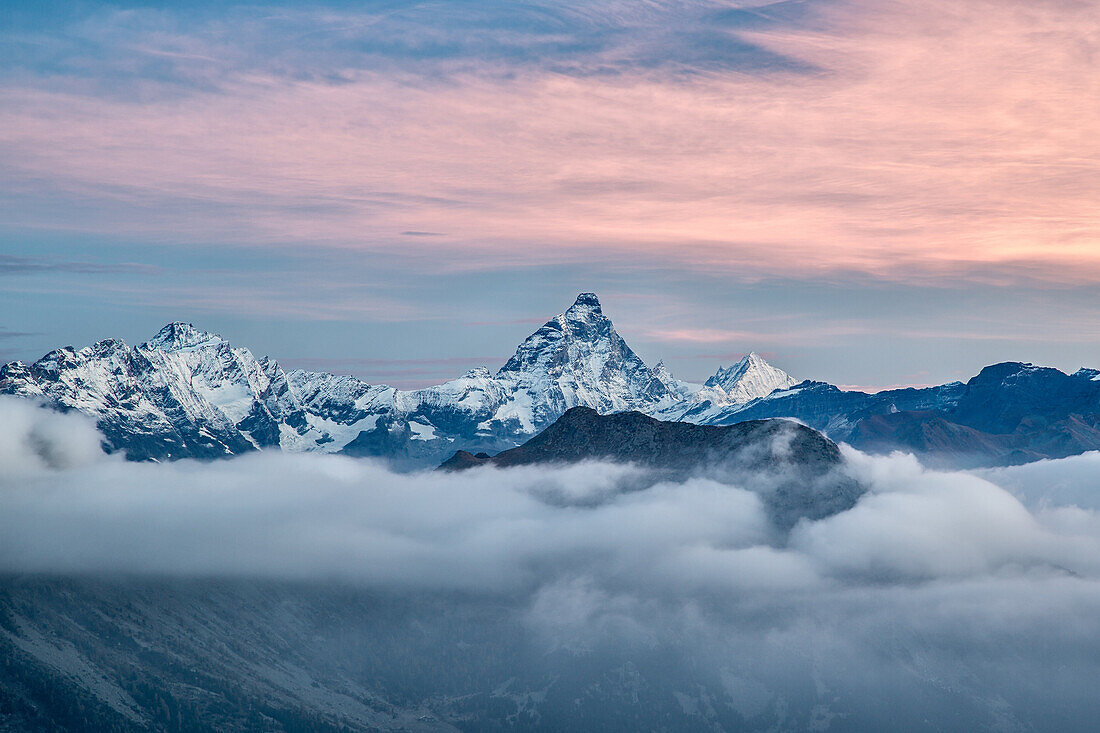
x=749, y=378
x=178, y=336
x=478, y=372
x=662, y=372
x=586, y=302
x=726, y=376
x=584, y=318
x=107, y=346
x=584, y=321
x=1087, y=373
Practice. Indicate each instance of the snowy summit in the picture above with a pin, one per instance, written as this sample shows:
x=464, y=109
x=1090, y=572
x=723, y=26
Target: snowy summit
x=190, y=393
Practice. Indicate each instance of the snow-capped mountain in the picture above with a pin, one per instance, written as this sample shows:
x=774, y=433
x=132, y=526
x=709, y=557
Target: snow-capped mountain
x=678, y=388
x=190, y=393
x=750, y=379
x=731, y=387
x=576, y=358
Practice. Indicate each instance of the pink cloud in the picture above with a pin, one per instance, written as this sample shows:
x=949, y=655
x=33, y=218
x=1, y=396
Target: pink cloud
x=776, y=336
x=941, y=139
x=700, y=335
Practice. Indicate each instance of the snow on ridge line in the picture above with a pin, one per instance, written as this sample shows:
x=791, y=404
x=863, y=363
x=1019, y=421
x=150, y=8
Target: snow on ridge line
x=188, y=389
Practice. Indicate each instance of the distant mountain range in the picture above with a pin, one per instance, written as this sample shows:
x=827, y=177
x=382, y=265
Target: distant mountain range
x=187, y=393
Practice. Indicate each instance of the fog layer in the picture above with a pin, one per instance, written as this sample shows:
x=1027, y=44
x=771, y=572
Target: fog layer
x=986, y=583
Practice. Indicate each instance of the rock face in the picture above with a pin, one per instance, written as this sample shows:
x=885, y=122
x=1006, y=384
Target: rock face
x=796, y=470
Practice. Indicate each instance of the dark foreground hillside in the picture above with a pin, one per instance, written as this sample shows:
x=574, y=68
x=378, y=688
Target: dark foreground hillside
x=114, y=655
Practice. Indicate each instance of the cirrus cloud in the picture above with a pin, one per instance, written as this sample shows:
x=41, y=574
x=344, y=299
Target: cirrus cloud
x=901, y=140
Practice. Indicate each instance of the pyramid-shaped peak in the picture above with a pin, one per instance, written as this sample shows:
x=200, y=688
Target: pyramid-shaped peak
x=582, y=322
x=750, y=360
x=586, y=302
x=749, y=378
x=726, y=376
x=577, y=358
x=179, y=335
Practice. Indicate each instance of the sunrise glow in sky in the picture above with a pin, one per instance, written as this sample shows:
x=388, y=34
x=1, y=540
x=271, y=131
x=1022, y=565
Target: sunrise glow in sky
x=869, y=192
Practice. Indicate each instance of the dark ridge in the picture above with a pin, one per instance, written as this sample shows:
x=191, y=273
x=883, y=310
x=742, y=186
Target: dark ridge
x=464, y=459
x=796, y=470
x=1010, y=413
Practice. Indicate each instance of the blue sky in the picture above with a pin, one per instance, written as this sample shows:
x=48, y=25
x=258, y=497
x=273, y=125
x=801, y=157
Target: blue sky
x=870, y=193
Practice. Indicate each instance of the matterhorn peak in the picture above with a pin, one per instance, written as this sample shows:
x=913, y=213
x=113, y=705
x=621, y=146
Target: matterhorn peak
x=178, y=336
x=577, y=358
x=583, y=322
x=587, y=302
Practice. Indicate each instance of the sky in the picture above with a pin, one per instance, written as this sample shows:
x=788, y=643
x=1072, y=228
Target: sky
x=867, y=192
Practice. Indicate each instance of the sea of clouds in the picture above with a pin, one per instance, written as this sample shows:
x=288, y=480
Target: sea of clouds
x=984, y=582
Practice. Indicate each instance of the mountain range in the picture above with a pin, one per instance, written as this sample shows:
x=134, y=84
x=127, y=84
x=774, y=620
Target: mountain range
x=187, y=393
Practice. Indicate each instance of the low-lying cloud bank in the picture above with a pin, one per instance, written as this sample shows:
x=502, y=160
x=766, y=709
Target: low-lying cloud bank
x=68, y=507
x=987, y=583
